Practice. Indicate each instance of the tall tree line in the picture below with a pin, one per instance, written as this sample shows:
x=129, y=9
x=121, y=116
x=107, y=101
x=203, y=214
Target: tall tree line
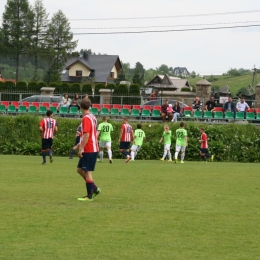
x=27, y=32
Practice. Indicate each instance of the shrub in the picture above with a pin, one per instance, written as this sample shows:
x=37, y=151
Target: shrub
x=186, y=90
x=33, y=85
x=42, y=84
x=63, y=87
x=9, y=85
x=2, y=85
x=75, y=88
x=230, y=142
x=21, y=85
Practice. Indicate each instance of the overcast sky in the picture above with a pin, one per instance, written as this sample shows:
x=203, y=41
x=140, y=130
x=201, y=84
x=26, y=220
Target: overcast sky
x=203, y=51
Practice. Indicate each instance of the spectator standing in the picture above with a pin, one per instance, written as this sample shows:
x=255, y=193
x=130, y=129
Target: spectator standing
x=153, y=95
x=242, y=106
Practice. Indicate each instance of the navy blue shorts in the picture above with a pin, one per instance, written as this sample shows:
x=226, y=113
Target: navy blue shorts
x=88, y=161
x=204, y=150
x=124, y=145
x=46, y=143
x=77, y=140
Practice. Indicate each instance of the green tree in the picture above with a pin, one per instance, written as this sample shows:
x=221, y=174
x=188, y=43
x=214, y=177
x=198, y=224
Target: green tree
x=39, y=32
x=193, y=74
x=163, y=69
x=16, y=32
x=120, y=77
x=59, y=44
x=140, y=67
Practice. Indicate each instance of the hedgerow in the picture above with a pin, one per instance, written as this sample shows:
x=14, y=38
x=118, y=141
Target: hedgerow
x=230, y=142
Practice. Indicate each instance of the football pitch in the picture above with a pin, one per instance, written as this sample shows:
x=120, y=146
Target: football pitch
x=147, y=210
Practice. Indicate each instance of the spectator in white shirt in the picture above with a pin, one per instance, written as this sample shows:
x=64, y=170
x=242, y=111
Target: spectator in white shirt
x=242, y=106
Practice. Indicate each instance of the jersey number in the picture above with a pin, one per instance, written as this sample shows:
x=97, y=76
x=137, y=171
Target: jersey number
x=140, y=134
x=180, y=135
x=105, y=128
x=49, y=125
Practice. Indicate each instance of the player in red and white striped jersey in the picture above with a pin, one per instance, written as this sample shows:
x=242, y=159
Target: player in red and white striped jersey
x=204, y=146
x=126, y=135
x=48, y=126
x=88, y=150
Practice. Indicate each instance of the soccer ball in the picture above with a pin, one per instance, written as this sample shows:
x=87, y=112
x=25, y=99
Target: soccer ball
x=149, y=125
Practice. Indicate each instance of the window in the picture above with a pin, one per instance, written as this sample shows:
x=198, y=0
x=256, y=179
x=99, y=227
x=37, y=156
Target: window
x=112, y=74
x=78, y=73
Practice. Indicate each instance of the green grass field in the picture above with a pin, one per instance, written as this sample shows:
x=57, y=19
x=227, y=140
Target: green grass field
x=147, y=210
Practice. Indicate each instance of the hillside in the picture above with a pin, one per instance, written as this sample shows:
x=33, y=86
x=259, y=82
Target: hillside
x=234, y=82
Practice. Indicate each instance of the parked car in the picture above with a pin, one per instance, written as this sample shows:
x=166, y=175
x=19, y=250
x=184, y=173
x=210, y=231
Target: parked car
x=42, y=98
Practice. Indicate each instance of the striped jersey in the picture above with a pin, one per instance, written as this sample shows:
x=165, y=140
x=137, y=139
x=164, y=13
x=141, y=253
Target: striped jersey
x=48, y=125
x=126, y=135
x=89, y=125
x=205, y=139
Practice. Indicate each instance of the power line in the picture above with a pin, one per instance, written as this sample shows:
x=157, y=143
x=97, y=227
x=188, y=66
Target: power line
x=157, y=26
x=165, y=17
x=181, y=30
x=154, y=17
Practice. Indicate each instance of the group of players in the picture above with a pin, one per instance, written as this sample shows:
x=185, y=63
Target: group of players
x=88, y=146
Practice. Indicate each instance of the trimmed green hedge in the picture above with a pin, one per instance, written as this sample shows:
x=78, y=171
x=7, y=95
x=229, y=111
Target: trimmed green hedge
x=230, y=142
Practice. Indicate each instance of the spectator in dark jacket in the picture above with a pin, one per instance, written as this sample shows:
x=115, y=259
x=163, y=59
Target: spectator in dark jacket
x=229, y=106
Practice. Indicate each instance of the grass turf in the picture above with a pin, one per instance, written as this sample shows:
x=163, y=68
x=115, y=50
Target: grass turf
x=147, y=210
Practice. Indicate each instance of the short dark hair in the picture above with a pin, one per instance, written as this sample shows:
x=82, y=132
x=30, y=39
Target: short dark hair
x=105, y=118
x=182, y=124
x=139, y=126
x=85, y=104
x=125, y=119
x=49, y=112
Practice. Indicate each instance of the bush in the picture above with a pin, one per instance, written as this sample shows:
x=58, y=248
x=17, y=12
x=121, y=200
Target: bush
x=2, y=85
x=34, y=86
x=75, y=88
x=98, y=86
x=9, y=85
x=185, y=90
x=63, y=88
x=230, y=142
x=21, y=85
x=42, y=84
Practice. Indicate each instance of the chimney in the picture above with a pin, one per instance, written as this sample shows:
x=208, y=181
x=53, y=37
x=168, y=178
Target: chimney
x=85, y=55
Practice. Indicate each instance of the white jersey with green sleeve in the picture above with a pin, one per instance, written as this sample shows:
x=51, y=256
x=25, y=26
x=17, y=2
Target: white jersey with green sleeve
x=180, y=137
x=167, y=137
x=139, y=137
x=105, y=130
